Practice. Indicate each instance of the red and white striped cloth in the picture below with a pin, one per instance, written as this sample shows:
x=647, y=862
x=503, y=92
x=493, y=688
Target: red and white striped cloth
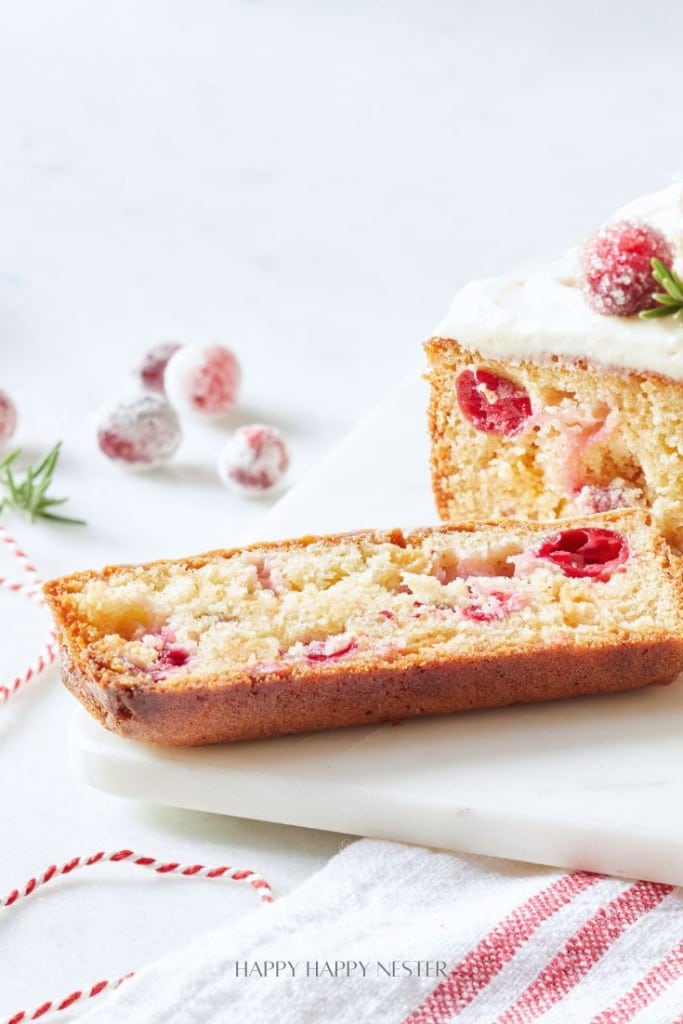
x=496, y=943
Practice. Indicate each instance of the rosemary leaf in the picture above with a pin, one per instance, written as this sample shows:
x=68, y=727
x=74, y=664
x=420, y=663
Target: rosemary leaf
x=670, y=299
x=659, y=311
x=30, y=493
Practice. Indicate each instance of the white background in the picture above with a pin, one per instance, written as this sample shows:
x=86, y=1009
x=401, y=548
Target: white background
x=307, y=183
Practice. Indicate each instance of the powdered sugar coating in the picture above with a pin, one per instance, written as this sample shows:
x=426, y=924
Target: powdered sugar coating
x=8, y=417
x=616, y=268
x=254, y=460
x=203, y=380
x=142, y=431
x=153, y=366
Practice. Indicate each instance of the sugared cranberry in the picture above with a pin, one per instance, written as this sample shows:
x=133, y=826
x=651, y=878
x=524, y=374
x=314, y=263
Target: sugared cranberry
x=203, y=379
x=585, y=552
x=492, y=403
x=8, y=417
x=254, y=460
x=143, y=431
x=153, y=366
x=616, y=267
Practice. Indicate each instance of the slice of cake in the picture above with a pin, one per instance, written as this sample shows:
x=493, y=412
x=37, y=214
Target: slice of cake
x=560, y=391
x=369, y=627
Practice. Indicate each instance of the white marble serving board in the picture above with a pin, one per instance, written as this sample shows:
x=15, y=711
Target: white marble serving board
x=591, y=783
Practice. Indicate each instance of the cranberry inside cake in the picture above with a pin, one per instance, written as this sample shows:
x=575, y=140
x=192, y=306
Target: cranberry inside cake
x=380, y=610
x=558, y=391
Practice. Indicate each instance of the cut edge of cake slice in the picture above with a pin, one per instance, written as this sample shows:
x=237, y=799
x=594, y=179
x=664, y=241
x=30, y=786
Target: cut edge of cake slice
x=542, y=407
x=374, y=626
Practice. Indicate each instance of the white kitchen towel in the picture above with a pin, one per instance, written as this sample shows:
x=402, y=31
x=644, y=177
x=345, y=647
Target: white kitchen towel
x=388, y=934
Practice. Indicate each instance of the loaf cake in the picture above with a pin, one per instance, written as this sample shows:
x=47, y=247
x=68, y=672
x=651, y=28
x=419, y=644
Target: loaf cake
x=560, y=391
x=369, y=627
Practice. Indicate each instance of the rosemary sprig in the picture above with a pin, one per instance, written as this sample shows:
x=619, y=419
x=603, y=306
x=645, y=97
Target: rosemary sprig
x=671, y=298
x=28, y=494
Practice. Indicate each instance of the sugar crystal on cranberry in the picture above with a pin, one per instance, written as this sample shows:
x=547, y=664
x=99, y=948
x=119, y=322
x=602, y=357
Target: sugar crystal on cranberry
x=254, y=460
x=616, y=267
x=203, y=380
x=142, y=431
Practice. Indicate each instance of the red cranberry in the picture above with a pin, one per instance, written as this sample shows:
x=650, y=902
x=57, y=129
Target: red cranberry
x=616, y=267
x=170, y=655
x=492, y=403
x=174, y=656
x=494, y=607
x=326, y=650
x=586, y=552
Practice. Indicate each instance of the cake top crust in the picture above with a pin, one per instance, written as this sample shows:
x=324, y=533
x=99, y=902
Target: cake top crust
x=542, y=312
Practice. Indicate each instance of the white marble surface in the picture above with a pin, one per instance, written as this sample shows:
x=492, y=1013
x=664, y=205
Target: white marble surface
x=591, y=783
x=309, y=183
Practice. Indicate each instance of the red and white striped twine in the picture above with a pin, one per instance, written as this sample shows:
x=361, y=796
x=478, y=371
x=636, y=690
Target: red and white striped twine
x=31, y=590
x=260, y=886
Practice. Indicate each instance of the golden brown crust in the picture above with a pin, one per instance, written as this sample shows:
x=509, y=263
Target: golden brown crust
x=300, y=698
x=343, y=697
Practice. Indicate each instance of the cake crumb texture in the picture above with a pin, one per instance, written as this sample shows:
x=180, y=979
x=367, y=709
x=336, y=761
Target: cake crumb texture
x=594, y=439
x=373, y=626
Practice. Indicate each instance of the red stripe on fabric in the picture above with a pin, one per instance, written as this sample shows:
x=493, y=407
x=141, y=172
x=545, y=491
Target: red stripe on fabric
x=649, y=988
x=583, y=951
x=484, y=962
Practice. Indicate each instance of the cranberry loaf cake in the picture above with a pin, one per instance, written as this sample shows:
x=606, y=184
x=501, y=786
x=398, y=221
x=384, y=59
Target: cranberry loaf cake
x=560, y=392
x=368, y=627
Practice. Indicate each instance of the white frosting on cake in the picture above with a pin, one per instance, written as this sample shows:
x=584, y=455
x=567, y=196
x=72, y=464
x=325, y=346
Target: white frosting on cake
x=542, y=312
